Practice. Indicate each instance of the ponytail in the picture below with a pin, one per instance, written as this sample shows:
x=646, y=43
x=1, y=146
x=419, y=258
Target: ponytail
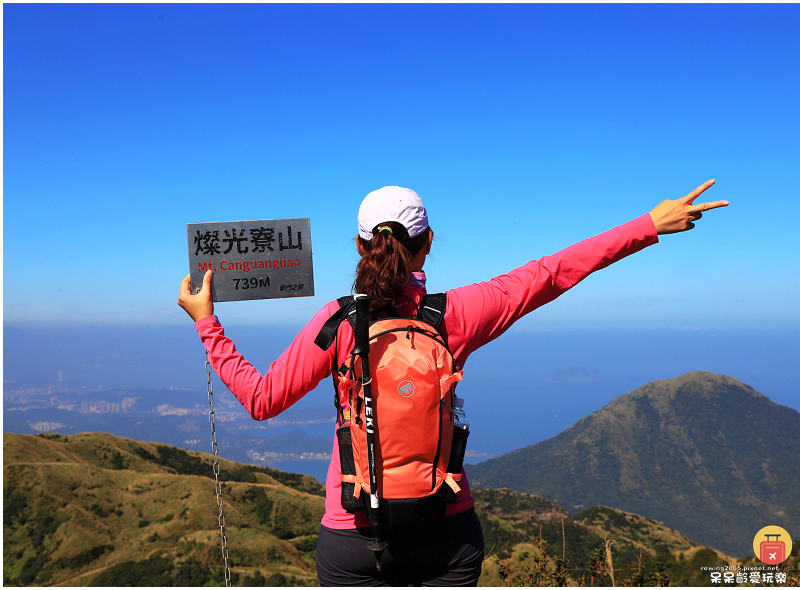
x=385, y=266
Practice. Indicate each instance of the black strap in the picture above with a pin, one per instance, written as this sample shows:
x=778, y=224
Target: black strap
x=431, y=311
x=329, y=329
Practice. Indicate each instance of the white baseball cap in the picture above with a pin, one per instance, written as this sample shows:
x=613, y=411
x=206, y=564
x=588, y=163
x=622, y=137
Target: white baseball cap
x=392, y=203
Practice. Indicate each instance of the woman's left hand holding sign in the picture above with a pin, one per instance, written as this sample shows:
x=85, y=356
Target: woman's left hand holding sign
x=199, y=305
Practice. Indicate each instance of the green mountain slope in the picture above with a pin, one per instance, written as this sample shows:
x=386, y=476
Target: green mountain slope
x=532, y=542
x=703, y=453
x=99, y=510
x=128, y=512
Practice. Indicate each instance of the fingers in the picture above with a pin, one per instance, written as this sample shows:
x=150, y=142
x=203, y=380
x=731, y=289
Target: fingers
x=197, y=305
x=207, y=281
x=676, y=216
x=186, y=287
x=185, y=284
x=709, y=206
x=698, y=191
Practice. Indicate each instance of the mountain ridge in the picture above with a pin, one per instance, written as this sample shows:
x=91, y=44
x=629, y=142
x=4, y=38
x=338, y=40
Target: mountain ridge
x=700, y=444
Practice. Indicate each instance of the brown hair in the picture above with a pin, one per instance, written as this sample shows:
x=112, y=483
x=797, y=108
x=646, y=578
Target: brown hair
x=385, y=265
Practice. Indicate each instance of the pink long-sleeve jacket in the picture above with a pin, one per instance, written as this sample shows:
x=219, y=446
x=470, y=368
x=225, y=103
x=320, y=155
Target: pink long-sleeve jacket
x=475, y=314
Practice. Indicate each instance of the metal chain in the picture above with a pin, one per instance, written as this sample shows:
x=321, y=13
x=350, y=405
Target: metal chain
x=218, y=486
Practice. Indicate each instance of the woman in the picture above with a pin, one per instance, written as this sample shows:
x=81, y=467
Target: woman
x=394, y=240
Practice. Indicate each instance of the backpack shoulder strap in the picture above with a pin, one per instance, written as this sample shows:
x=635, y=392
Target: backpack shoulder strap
x=432, y=308
x=329, y=329
x=327, y=336
x=431, y=311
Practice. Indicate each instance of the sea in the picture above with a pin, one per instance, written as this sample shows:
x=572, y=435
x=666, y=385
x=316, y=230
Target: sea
x=523, y=388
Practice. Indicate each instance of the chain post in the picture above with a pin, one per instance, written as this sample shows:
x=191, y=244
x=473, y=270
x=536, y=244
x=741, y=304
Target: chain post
x=217, y=486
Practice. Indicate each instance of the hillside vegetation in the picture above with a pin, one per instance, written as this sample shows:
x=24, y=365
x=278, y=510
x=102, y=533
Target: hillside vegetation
x=146, y=514
x=532, y=542
x=703, y=453
x=98, y=510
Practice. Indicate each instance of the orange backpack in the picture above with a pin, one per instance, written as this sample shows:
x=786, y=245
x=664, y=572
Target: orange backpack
x=413, y=374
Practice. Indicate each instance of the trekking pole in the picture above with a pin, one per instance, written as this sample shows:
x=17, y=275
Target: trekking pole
x=361, y=348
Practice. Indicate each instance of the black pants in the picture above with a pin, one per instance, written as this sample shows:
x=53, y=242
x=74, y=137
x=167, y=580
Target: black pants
x=443, y=552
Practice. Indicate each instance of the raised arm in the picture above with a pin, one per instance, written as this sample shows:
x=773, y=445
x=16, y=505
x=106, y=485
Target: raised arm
x=481, y=312
x=296, y=371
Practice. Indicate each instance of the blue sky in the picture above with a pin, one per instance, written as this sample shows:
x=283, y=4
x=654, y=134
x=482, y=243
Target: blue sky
x=524, y=128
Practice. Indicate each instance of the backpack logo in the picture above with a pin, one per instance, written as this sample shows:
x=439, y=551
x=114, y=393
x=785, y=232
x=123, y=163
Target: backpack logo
x=406, y=388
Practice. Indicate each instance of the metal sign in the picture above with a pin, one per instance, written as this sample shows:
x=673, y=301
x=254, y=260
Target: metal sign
x=256, y=259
